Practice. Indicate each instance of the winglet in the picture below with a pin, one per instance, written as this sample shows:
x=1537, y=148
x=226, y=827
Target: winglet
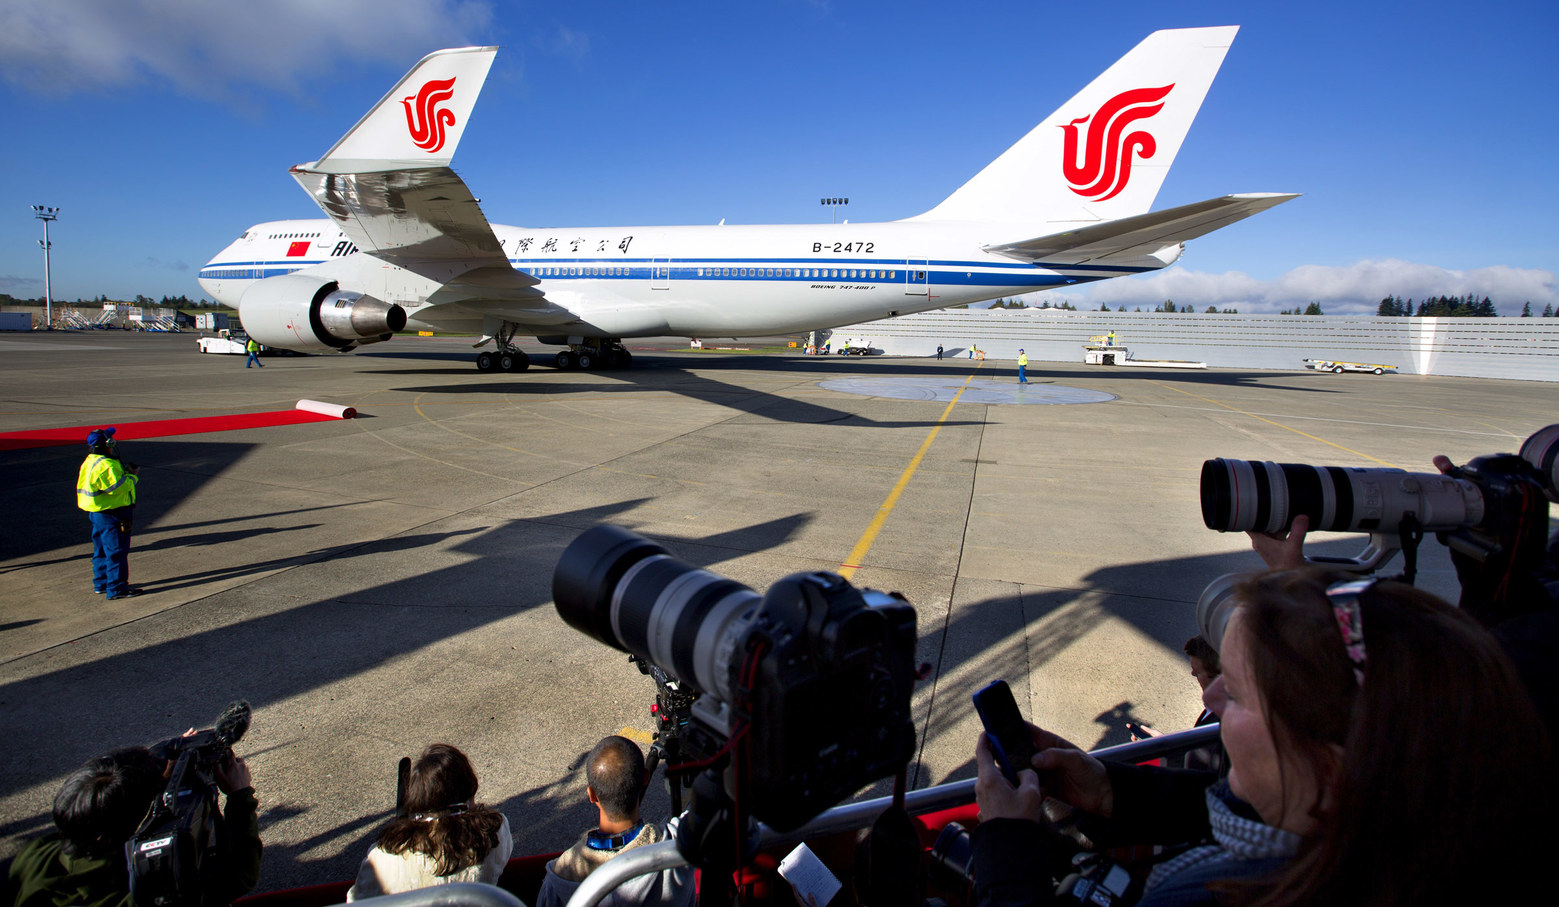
x=419, y=123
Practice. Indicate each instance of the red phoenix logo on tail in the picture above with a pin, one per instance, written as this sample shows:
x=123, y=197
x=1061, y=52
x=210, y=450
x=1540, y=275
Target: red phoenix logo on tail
x=425, y=119
x=1108, y=152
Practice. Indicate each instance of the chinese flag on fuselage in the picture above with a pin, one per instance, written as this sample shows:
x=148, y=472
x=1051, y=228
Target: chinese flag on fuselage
x=297, y=249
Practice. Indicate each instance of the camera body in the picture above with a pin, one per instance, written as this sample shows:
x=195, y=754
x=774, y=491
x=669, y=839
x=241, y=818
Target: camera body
x=808, y=686
x=180, y=856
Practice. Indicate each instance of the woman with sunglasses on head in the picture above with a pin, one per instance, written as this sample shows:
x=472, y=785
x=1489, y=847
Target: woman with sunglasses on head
x=1381, y=751
x=445, y=835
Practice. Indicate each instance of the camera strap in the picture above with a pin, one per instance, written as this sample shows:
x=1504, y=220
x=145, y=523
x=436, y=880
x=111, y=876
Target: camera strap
x=599, y=840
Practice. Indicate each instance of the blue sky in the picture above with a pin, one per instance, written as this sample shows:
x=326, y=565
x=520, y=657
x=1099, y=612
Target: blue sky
x=1422, y=134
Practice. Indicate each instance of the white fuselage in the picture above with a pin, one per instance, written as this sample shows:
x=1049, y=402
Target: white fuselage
x=649, y=281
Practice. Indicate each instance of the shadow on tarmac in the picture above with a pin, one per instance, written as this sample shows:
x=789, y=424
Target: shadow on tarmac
x=830, y=366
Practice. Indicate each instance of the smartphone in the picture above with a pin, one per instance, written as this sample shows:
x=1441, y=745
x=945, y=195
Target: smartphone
x=1005, y=728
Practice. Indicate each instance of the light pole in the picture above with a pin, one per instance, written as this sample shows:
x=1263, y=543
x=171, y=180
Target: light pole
x=833, y=204
x=46, y=214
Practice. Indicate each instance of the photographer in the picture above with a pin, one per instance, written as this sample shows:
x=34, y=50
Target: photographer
x=1375, y=736
x=615, y=783
x=98, y=810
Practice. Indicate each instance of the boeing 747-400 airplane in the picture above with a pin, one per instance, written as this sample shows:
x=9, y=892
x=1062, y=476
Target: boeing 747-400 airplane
x=406, y=245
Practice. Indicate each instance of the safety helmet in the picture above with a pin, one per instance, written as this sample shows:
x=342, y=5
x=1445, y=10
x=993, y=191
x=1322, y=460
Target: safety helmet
x=101, y=437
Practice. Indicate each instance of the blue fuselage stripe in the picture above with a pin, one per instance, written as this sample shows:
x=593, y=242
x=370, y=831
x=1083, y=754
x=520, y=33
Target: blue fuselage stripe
x=940, y=272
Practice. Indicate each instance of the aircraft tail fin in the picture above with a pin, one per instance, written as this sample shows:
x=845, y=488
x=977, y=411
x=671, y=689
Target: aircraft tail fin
x=419, y=123
x=1103, y=154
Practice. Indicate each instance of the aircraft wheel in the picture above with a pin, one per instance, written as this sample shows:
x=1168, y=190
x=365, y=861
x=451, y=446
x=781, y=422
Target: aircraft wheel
x=586, y=361
x=484, y=362
x=521, y=361
x=1337, y=370
x=506, y=362
x=565, y=360
x=1380, y=371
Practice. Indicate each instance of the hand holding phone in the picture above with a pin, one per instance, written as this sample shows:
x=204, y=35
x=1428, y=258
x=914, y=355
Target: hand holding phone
x=1008, y=733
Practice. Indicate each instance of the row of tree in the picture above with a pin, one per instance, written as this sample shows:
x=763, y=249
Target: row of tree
x=1434, y=307
x=1468, y=306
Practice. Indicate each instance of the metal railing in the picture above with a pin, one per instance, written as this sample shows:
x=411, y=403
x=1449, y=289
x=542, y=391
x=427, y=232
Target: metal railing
x=855, y=816
x=455, y=894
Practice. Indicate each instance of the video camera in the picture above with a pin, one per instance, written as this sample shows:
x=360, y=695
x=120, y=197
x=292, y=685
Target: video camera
x=806, y=688
x=180, y=855
x=1491, y=513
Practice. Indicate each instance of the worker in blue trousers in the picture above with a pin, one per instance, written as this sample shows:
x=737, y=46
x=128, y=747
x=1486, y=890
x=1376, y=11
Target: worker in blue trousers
x=1023, y=364
x=105, y=489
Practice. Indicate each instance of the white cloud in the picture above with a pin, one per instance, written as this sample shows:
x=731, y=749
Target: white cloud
x=206, y=48
x=1352, y=289
x=567, y=43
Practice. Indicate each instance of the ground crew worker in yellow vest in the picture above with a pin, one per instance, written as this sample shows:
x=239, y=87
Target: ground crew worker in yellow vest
x=253, y=348
x=1023, y=364
x=105, y=489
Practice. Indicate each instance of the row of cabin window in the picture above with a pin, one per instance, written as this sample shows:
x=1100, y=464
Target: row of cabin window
x=805, y=273
x=294, y=236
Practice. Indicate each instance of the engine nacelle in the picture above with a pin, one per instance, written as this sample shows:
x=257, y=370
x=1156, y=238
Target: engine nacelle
x=302, y=313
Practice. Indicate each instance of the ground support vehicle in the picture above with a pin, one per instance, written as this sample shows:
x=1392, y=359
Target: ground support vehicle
x=1337, y=368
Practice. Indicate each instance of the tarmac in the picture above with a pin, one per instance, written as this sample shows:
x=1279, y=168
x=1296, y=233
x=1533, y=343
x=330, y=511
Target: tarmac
x=378, y=584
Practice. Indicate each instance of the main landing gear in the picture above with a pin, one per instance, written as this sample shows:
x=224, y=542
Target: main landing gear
x=594, y=354
x=506, y=358
x=510, y=359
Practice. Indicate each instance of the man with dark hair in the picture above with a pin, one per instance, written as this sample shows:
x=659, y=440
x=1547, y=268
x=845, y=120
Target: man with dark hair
x=97, y=810
x=1205, y=667
x=615, y=781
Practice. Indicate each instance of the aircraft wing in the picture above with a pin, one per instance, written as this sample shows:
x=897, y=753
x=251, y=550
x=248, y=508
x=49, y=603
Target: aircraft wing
x=389, y=187
x=405, y=215
x=1139, y=235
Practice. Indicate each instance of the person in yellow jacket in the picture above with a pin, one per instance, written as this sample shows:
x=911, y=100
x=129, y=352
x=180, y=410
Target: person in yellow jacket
x=253, y=349
x=105, y=489
x=1023, y=365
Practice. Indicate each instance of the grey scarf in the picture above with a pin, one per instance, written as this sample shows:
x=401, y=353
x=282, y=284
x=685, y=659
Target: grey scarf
x=1238, y=838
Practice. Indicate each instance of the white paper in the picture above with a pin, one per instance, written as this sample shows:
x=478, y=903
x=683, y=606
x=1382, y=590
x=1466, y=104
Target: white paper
x=813, y=882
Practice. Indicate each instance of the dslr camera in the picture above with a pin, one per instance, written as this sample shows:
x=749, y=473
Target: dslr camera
x=180, y=855
x=1492, y=513
x=803, y=693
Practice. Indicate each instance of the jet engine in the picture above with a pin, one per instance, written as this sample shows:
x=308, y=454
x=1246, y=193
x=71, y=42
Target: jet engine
x=306, y=314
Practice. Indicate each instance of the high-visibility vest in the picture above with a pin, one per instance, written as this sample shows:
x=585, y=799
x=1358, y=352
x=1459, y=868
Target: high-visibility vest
x=104, y=484
x=253, y=345
x=1023, y=358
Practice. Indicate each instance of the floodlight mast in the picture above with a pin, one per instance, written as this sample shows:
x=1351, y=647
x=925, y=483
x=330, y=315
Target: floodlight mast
x=46, y=214
x=833, y=204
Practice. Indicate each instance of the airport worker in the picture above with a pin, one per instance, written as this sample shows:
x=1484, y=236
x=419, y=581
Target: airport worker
x=105, y=489
x=939, y=352
x=1023, y=364
x=253, y=348
x=1109, y=340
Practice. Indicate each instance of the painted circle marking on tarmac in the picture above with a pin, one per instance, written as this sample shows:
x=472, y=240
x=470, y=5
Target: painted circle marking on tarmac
x=941, y=390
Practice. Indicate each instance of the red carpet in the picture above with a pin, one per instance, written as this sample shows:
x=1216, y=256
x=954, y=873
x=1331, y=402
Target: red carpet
x=162, y=428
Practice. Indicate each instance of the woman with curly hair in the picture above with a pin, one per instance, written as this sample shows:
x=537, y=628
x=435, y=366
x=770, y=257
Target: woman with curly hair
x=445, y=835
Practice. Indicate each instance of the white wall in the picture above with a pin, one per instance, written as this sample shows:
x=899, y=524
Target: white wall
x=1521, y=348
